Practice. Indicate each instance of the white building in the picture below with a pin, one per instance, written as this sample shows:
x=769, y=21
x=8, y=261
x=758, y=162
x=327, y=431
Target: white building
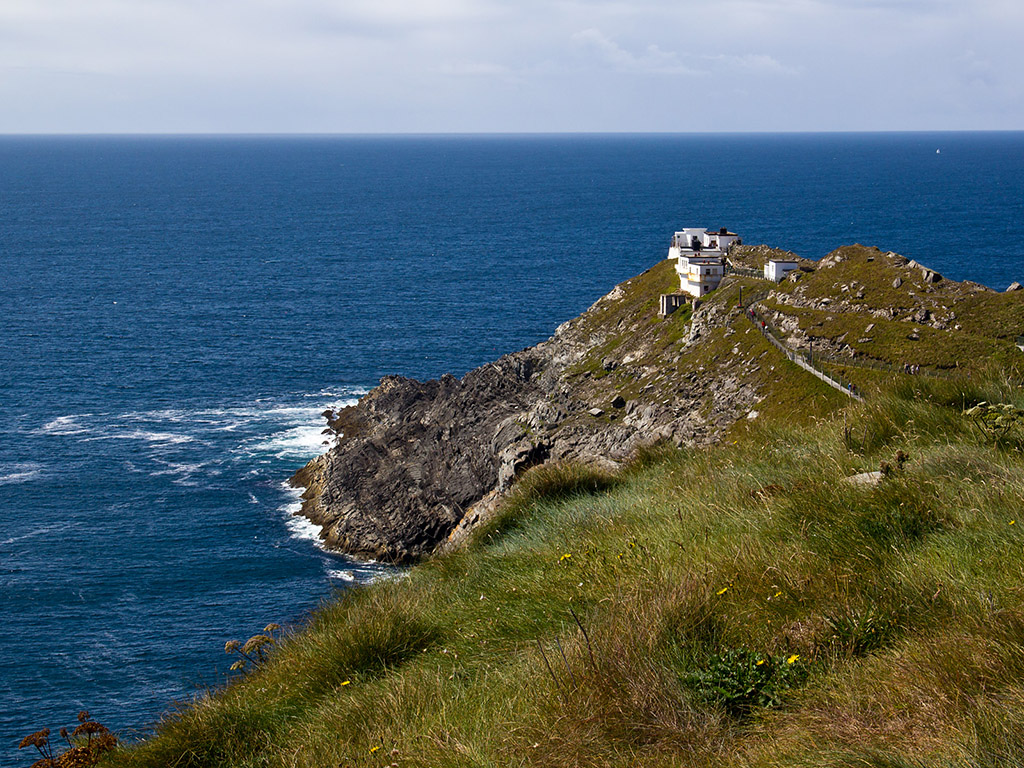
x=776, y=269
x=700, y=258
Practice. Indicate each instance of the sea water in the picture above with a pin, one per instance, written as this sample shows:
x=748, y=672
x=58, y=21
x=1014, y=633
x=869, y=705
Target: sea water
x=176, y=313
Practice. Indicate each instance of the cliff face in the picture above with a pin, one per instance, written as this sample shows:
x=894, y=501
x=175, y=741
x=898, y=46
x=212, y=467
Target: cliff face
x=413, y=458
x=418, y=464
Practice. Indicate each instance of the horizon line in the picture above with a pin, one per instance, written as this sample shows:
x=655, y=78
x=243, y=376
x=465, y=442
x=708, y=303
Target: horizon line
x=482, y=134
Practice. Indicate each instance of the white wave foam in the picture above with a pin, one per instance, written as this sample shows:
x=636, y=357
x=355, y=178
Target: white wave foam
x=296, y=443
x=138, y=434
x=302, y=435
x=300, y=528
x=31, y=534
x=66, y=425
x=19, y=472
x=303, y=529
x=367, y=573
x=182, y=472
x=350, y=392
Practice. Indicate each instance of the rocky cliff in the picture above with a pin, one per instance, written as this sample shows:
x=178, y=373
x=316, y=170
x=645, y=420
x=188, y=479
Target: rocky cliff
x=417, y=464
x=413, y=458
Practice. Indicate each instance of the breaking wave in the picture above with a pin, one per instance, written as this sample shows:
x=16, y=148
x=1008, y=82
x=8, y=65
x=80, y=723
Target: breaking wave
x=19, y=472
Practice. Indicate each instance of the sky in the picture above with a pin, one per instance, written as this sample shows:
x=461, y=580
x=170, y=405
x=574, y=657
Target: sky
x=469, y=66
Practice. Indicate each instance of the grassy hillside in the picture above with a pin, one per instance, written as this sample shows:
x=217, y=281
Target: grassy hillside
x=743, y=604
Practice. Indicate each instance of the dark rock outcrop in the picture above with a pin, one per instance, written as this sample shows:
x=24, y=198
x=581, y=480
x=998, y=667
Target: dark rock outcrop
x=417, y=465
x=414, y=459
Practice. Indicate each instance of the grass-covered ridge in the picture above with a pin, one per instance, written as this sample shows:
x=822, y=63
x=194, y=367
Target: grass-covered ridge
x=742, y=605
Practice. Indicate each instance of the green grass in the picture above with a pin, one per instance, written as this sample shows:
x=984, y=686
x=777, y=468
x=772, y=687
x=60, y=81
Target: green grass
x=742, y=604
x=889, y=620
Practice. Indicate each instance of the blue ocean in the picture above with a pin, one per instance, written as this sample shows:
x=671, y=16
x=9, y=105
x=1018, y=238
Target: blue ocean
x=177, y=312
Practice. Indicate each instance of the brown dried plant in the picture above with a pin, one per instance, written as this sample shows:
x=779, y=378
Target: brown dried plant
x=255, y=650
x=86, y=745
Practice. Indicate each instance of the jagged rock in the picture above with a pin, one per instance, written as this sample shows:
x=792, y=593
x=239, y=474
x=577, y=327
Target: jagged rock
x=1014, y=286
x=414, y=457
x=418, y=462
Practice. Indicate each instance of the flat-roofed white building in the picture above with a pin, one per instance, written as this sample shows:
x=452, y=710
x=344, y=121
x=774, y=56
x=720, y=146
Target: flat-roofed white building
x=776, y=269
x=700, y=275
x=700, y=258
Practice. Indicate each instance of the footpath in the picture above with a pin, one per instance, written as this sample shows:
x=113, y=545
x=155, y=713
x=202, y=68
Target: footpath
x=804, y=361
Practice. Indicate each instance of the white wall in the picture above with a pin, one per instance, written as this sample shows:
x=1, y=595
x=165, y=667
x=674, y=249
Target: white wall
x=724, y=241
x=684, y=237
x=776, y=270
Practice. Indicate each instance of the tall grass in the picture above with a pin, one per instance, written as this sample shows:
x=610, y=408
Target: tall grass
x=739, y=605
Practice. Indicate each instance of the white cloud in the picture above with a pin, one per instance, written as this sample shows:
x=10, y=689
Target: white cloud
x=449, y=65
x=652, y=61
x=754, y=63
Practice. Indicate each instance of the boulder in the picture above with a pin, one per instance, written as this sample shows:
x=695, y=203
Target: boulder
x=866, y=479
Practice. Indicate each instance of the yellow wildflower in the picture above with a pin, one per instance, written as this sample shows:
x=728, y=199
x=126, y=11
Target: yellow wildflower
x=722, y=591
x=347, y=682
x=793, y=658
x=374, y=749
x=566, y=556
x=759, y=663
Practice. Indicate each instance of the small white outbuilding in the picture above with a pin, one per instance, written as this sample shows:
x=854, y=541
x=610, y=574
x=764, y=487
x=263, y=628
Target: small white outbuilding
x=776, y=269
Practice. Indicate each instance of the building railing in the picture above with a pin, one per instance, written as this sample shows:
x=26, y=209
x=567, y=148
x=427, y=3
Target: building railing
x=730, y=269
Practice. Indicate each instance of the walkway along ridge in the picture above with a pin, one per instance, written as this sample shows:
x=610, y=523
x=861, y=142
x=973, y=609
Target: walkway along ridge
x=846, y=387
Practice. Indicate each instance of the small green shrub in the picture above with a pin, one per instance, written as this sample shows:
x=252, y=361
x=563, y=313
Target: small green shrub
x=898, y=515
x=996, y=420
x=374, y=633
x=742, y=680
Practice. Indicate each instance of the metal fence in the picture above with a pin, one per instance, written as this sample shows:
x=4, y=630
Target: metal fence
x=745, y=271
x=838, y=381
x=847, y=362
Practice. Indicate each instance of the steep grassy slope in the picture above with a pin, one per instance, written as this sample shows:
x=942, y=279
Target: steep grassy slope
x=742, y=603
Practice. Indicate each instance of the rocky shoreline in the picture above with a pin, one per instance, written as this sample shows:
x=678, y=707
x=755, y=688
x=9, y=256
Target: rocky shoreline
x=419, y=463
